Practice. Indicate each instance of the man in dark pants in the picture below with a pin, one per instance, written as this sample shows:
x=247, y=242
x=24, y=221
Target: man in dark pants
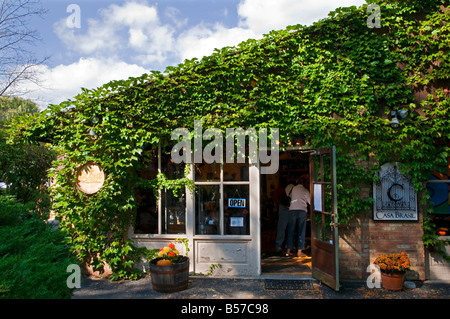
x=285, y=222
x=300, y=200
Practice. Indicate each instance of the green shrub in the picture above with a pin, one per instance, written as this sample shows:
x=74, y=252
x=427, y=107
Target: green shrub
x=24, y=169
x=33, y=257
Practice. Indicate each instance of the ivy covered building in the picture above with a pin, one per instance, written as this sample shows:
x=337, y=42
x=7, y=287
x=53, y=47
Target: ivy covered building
x=334, y=91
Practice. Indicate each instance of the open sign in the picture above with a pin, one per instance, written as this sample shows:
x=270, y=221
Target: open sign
x=236, y=202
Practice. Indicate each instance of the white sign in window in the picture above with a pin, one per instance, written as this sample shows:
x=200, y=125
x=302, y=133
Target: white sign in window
x=318, y=197
x=236, y=221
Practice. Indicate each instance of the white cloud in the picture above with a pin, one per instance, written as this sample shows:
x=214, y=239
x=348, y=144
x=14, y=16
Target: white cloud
x=201, y=40
x=156, y=45
x=262, y=16
x=97, y=38
x=131, y=14
x=65, y=81
x=133, y=26
x=137, y=38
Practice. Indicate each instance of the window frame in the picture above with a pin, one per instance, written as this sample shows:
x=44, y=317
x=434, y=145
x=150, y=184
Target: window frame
x=160, y=227
x=190, y=209
x=221, y=183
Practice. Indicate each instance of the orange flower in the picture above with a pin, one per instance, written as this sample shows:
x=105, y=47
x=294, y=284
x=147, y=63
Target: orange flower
x=393, y=263
x=169, y=252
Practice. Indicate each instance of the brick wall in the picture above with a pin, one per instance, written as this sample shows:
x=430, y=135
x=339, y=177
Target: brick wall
x=364, y=239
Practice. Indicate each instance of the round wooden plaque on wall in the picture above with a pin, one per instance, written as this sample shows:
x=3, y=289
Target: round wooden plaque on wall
x=90, y=178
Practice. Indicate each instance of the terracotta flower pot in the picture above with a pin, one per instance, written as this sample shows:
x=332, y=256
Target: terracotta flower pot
x=393, y=282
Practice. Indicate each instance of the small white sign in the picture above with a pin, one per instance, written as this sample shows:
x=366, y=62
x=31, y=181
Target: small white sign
x=236, y=221
x=318, y=197
x=236, y=202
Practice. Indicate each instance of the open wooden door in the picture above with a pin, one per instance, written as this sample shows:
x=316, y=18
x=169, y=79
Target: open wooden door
x=324, y=232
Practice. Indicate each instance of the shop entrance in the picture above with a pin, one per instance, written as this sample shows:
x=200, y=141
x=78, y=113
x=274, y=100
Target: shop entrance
x=316, y=170
x=293, y=167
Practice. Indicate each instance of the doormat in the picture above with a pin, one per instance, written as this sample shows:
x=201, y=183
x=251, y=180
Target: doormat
x=281, y=284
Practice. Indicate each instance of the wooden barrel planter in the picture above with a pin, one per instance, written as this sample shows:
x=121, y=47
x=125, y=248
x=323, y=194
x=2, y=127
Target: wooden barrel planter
x=170, y=278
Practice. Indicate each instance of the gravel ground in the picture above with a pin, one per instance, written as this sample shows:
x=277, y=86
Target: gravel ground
x=219, y=288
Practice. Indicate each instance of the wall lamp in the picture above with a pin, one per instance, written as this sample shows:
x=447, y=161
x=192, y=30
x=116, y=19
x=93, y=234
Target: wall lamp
x=94, y=121
x=93, y=133
x=395, y=115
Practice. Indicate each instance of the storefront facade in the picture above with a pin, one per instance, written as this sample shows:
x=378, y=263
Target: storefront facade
x=220, y=219
x=230, y=220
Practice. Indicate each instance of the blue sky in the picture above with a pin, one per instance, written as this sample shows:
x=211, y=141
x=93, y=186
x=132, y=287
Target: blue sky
x=93, y=42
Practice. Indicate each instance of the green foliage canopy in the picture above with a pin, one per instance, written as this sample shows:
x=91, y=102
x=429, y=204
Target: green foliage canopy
x=10, y=106
x=23, y=167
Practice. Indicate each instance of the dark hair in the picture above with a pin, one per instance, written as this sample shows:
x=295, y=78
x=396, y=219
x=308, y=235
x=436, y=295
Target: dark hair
x=303, y=179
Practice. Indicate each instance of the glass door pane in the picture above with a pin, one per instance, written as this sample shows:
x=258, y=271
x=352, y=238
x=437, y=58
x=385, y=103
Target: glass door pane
x=173, y=210
x=236, y=205
x=207, y=212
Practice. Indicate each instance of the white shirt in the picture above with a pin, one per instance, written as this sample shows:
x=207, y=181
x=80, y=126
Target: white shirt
x=300, y=198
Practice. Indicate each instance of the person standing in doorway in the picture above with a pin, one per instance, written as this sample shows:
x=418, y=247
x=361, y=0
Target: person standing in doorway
x=300, y=199
x=285, y=222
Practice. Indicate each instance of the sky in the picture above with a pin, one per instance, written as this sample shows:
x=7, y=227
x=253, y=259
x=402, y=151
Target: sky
x=91, y=42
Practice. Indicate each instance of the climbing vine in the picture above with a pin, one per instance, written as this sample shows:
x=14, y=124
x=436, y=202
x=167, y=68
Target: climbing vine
x=333, y=82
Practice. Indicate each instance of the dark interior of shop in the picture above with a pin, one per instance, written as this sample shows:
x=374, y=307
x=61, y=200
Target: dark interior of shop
x=293, y=165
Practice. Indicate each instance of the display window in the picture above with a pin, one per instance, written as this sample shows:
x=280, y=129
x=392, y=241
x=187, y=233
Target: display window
x=168, y=214
x=438, y=187
x=222, y=199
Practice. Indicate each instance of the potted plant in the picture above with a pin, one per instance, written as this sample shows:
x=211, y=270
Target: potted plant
x=170, y=270
x=393, y=268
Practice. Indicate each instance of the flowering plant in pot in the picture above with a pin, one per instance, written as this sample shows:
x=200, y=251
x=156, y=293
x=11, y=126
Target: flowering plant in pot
x=168, y=255
x=169, y=271
x=393, y=268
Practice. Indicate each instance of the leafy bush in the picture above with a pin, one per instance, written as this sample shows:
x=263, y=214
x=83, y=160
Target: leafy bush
x=24, y=168
x=33, y=257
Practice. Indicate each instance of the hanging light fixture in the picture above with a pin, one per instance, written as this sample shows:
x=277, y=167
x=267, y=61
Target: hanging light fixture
x=93, y=121
x=92, y=133
x=394, y=120
x=395, y=115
